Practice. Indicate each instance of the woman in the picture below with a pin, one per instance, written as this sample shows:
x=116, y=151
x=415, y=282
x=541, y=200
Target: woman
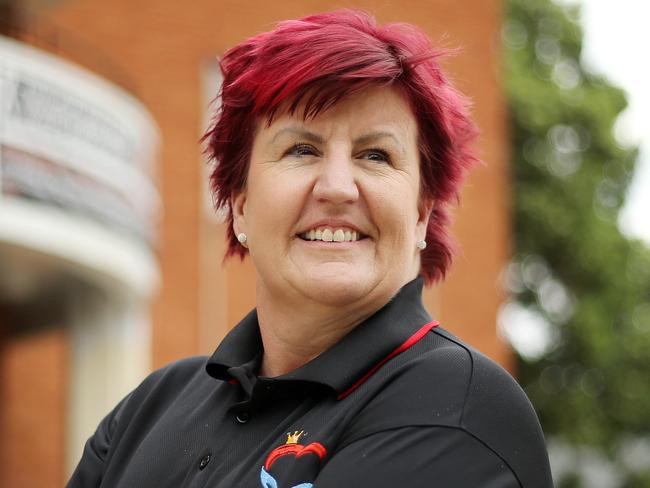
x=340, y=144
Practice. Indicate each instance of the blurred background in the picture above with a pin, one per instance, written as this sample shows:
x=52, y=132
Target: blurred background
x=111, y=250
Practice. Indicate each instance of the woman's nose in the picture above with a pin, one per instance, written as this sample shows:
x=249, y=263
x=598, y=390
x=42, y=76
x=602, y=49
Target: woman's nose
x=336, y=181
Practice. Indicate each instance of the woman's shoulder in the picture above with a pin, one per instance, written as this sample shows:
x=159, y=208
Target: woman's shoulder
x=496, y=411
x=177, y=371
x=443, y=385
x=443, y=380
x=479, y=394
x=453, y=412
x=480, y=381
x=493, y=404
x=162, y=387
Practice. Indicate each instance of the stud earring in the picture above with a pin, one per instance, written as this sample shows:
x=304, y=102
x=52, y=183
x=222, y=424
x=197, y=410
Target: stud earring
x=421, y=245
x=242, y=238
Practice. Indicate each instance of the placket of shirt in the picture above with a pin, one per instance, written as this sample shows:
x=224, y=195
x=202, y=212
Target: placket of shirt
x=250, y=428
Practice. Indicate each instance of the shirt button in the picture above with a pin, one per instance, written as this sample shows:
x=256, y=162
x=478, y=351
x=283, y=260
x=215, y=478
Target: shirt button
x=204, y=461
x=243, y=417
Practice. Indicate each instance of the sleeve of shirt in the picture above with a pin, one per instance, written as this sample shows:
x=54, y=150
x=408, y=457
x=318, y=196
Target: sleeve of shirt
x=90, y=469
x=417, y=457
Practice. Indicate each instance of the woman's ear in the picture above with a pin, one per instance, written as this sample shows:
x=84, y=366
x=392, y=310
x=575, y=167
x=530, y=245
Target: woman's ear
x=238, y=208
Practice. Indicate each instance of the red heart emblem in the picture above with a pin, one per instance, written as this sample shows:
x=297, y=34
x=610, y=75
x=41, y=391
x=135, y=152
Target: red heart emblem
x=295, y=450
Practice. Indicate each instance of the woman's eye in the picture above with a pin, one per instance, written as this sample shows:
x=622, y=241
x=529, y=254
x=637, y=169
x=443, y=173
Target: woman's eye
x=301, y=150
x=376, y=155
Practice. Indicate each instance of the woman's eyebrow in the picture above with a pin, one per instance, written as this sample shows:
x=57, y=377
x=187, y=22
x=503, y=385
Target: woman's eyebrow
x=301, y=133
x=309, y=136
x=376, y=136
x=373, y=136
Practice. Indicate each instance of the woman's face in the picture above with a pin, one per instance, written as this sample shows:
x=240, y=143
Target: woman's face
x=331, y=206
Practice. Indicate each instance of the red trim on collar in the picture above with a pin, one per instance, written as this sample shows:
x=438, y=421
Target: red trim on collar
x=405, y=345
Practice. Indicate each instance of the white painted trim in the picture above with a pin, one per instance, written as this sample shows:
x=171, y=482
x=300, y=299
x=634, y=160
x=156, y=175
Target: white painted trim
x=86, y=245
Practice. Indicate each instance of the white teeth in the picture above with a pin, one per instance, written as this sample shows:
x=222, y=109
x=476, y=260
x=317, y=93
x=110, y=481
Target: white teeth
x=331, y=235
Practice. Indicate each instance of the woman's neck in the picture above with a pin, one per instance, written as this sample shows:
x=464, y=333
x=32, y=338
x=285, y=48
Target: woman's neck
x=294, y=334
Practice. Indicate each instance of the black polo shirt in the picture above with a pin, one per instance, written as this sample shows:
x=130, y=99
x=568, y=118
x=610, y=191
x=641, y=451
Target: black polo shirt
x=398, y=402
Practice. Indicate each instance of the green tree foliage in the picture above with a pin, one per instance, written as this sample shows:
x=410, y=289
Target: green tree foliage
x=573, y=269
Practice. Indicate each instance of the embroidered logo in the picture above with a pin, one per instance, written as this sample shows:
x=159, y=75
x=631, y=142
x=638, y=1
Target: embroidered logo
x=292, y=465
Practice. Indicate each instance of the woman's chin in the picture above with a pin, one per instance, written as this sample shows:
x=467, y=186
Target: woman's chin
x=336, y=285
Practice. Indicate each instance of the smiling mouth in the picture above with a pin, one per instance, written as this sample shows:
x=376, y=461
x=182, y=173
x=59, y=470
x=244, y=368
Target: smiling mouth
x=327, y=234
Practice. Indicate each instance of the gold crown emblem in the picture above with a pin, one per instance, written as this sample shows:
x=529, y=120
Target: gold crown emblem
x=295, y=437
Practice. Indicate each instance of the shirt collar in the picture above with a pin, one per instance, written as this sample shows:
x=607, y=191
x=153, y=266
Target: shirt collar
x=344, y=363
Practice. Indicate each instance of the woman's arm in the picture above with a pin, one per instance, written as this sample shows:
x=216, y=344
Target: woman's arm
x=90, y=469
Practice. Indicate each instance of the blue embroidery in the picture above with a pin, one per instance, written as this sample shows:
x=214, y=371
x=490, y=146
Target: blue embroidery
x=268, y=481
